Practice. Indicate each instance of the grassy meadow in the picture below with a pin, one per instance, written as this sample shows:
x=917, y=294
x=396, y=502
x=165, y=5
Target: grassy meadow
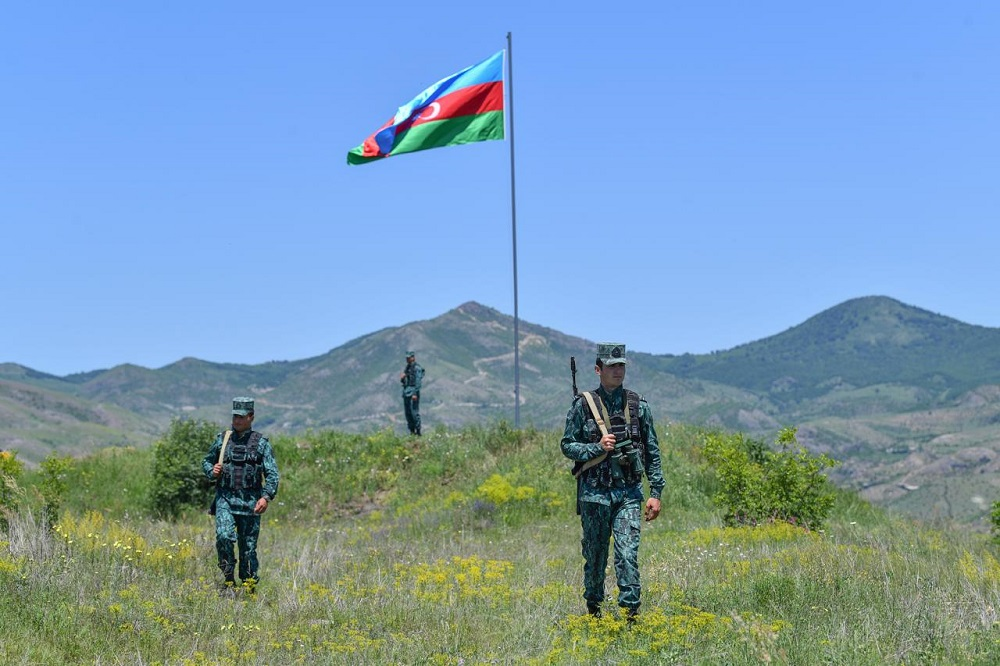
x=463, y=547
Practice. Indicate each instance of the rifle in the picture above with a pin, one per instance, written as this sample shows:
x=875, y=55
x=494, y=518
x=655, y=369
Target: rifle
x=222, y=455
x=577, y=465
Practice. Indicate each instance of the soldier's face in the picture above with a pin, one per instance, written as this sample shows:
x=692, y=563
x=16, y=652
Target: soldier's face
x=241, y=423
x=611, y=376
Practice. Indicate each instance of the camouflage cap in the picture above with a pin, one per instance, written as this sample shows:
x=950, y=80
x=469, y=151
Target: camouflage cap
x=410, y=353
x=611, y=353
x=242, y=406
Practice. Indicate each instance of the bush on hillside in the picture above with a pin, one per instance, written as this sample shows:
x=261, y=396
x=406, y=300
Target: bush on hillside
x=503, y=438
x=53, y=485
x=995, y=521
x=758, y=484
x=329, y=471
x=10, y=492
x=178, y=480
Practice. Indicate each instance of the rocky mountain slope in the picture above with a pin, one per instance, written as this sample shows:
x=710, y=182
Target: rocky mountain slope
x=908, y=400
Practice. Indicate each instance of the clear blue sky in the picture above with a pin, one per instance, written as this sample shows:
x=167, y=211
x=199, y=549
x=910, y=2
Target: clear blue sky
x=690, y=176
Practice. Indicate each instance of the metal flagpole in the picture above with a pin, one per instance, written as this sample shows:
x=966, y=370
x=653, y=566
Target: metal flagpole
x=513, y=231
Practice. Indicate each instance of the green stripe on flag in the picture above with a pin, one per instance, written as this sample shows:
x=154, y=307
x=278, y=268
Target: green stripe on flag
x=451, y=132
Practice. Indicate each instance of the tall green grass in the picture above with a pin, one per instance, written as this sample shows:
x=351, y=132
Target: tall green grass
x=463, y=547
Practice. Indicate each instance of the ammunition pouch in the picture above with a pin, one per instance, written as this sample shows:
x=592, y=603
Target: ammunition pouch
x=620, y=430
x=626, y=461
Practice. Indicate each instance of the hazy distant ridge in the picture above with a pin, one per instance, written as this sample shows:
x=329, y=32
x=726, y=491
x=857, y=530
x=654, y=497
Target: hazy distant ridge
x=904, y=396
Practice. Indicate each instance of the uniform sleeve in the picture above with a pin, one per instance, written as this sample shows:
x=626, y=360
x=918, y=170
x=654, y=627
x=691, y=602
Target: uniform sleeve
x=575, y=444
x=212, y=456
x=419, y=377
x=271, y=475
x=654, y=468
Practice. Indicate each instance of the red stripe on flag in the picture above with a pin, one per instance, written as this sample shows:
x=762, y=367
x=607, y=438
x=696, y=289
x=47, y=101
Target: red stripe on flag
x=469, y=101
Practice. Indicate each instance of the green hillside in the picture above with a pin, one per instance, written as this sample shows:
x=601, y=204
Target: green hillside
x=463, y=548
x=907, y=398
x=37, y=421
x=863, y=342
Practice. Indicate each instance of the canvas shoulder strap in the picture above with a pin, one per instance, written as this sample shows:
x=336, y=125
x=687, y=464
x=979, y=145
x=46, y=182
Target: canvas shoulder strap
x=600, y=416
x=598, y=413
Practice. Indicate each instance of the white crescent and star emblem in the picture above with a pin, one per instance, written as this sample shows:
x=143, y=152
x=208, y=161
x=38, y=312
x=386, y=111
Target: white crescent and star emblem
x=430, y=111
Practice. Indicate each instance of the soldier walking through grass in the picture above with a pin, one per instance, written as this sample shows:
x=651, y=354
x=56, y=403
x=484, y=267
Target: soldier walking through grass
x=611, y=438
x=241, y=462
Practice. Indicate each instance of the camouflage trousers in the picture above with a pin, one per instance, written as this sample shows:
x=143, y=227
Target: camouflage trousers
x=622, y=522
x=411, y=408
x=240, y=530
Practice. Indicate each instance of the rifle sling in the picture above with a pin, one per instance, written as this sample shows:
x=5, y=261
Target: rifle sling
x=604, y=431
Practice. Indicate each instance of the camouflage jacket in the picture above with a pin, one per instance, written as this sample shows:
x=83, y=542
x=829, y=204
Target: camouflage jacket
x=580, y=443
x=413, y=377
x=265, y=483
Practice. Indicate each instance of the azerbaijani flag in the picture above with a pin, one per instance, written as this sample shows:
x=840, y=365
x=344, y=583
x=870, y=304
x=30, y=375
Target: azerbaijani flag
x=462, y=108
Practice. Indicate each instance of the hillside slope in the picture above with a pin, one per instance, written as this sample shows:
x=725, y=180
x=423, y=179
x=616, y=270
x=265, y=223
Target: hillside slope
x=863, y=342
x=907, y=399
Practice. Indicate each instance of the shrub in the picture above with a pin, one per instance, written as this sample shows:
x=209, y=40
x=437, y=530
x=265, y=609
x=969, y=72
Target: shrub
x=503, y=438
x=10, y=491
x=995, y=521
x=334, y=472
x=758, y=484
x=178, y=481
x=53, y=485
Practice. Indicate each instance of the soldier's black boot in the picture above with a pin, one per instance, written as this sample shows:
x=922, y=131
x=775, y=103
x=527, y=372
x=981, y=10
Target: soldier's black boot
x=594, y=609
x=632, y=616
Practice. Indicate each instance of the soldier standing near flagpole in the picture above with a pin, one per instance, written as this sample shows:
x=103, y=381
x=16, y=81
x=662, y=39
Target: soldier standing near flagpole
x=411, y=378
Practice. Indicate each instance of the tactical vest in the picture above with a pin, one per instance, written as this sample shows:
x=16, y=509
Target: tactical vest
x=633, y=425
x=242, y=464
x=410, y=378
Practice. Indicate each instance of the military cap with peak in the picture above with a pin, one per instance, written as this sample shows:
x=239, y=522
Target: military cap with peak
x=611, y=353
x=242, y=406
x=410, y=353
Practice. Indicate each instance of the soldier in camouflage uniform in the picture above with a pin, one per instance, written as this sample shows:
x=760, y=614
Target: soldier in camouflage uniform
x=609, y=479
x=246, y=477
x=411, y=378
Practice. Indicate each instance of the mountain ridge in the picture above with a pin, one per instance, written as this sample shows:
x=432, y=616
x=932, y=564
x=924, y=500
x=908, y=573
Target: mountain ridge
x=854, y=339
x=894, y=390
